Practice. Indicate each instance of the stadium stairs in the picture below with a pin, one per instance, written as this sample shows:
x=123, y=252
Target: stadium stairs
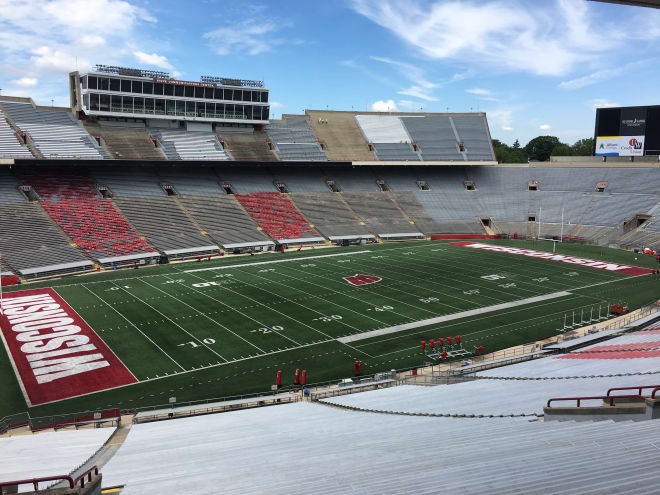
x=278, y=217
x=341, y=136
x=93, y=223
x=247, y=146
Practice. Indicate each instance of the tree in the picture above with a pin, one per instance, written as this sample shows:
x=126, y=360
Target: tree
x=516, y=145
x=540, y=148
x=506, y=154
x=584, y=147
x=562, y=149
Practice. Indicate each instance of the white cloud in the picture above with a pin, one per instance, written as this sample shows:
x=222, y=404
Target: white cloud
x=542, y=38
x=603, y=103
x=25, y=82
x=588, y=80
x=421, y=88
x=502, y=118
x=276, y=104
x=415, y=106
x=383, y=106
x=153, y=59
x=545, y=127
x=249, y=37
x=47, y=39
x=478, y=91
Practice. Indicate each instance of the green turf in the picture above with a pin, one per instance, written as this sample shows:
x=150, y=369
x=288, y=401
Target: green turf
x=182, y=336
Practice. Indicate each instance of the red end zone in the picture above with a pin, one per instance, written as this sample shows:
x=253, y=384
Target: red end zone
x=560, y=258
x=55, y=354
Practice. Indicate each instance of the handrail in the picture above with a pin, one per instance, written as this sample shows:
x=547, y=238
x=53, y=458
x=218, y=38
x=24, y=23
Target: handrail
x=87, y=473
x=72, y=482
x=594, y=397
x=639, y=389
x=654, y=391
x=35, y=481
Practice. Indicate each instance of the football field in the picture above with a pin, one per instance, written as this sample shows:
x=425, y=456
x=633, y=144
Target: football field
x=224, y=327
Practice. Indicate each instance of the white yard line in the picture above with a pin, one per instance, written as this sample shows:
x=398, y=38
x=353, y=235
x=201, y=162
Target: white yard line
x=247, y=317
x=302, y=258
x=455, y=316
x=133, y=325
x=171, y=320
x=302, y=306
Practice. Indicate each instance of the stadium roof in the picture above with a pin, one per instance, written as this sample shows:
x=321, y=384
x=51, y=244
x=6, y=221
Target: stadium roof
x=655, y=4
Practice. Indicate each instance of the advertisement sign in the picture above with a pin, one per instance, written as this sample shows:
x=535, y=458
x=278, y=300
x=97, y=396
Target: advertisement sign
x=631, y=146
x=607, y=145
x=633, y=121
x=620, y=146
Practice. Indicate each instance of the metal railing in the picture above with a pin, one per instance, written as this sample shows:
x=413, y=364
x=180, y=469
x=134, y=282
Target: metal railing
x=639, y=389
x=35, y=481
x=609, y=398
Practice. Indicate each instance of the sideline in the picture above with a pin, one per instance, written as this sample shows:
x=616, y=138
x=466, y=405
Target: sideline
x=453, y=316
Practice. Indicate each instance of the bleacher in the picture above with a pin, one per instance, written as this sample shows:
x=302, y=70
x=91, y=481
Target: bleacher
x=93, y=223
x=295, y=141
x=33, y=246
x=473, y=133
x=278, y=217
x=330, y=216
x=248, y=146
x=380, y=214
x=189, y=145
x=10, y=147
x=435, y=137
x=223, y=218
x=341, y=135
x=166, y=226
x=48, y=454
x=55, y=134
x=125, y=140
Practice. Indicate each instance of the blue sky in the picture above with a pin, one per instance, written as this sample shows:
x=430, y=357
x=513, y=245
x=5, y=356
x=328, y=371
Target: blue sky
x=535, y=66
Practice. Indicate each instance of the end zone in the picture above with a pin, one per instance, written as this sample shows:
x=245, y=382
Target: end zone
x=55, y=354
x=561, y=258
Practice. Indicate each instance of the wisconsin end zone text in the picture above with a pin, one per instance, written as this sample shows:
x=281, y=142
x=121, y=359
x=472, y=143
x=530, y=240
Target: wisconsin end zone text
x=55, y=354
x=560, y=258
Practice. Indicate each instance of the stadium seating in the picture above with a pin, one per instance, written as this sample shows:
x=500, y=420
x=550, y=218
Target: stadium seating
x=129, y=182
x=55, y=134
x=248, y=146
x=165, y=225
x=379, y=213
x=224, y=220
x=189, y=145
x=341, y=135
x=565, y=375
x=295, y=141
x=125, y=140
x=329, y=214
x=435, y=137
x=473, y=132
x=10, y=147
x=278, y=216
x=33, y=246
x=300, y=179
x=48, y=454
x=338, y=452
x=90, y=221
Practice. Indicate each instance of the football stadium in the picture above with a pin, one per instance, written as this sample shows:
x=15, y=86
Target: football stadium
x=201, y=293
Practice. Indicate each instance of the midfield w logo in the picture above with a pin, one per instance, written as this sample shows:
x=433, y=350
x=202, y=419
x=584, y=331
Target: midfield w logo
x=362, y=279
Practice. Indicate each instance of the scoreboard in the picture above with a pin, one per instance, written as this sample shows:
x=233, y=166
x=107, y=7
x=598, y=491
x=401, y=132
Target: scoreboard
x=628, y=131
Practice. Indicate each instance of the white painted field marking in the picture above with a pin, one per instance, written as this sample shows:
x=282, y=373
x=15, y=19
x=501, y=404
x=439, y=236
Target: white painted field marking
x=455, y=316
x=172, y=321
x=302, y=306
x=273, y=261
x=133, y=325
x=206, y=315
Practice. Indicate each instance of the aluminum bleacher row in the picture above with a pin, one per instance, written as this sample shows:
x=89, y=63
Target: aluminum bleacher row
x=187, y=145
x=55, y=134
x=489, y=441
x=10, y=147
